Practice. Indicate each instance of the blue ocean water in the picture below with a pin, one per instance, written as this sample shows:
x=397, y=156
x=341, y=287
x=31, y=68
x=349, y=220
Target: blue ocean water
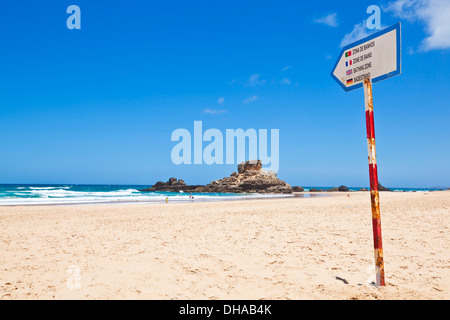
x=21, y=194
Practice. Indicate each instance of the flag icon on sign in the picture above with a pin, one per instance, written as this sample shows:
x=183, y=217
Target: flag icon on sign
x=349, y=72
x=349, y=81
x=348, y=53
x=348, y=63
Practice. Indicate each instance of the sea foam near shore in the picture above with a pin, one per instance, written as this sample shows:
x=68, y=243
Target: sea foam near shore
x=13, y=195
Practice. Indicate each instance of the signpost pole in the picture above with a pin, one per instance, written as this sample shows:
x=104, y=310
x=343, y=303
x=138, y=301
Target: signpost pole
x=361, y=63
x=374, y=194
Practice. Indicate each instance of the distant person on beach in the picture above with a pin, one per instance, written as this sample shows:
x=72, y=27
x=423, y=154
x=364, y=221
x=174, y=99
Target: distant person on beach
x=167, y=199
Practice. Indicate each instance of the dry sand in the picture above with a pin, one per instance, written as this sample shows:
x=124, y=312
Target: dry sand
x=302, y=248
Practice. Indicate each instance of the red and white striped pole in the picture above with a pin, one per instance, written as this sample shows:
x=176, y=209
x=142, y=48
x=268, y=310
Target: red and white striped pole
x=374, y=194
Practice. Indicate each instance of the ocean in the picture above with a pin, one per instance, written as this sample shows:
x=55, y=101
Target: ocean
x=21, y=194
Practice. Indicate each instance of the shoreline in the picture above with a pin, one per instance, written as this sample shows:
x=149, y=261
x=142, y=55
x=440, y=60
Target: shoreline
x=266, y=196
x=237, y=198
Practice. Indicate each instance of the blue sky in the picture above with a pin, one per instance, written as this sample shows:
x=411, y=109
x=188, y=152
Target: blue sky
x=98, y=105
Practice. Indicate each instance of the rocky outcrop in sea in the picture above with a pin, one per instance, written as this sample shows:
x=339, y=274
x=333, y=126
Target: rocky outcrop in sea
x=382, y=188
x=250, y=178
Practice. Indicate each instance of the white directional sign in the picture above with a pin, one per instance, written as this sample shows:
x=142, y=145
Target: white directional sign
x=376, y=57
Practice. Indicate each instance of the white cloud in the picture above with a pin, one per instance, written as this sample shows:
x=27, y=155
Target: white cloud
x=251, y=99
x=286, y=81
x=435, y=14
x=359, y=31
x=221, y=100
x=213, y=111
x=285, y=68
x=401, y=9
x=329, y=20
x=255, y=80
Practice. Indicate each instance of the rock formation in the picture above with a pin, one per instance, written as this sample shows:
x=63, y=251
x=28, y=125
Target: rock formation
x=381, y=188
x=173, y=185
x=250, y=178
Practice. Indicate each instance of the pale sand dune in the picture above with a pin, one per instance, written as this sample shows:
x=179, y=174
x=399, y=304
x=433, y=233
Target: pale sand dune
x=267, y=249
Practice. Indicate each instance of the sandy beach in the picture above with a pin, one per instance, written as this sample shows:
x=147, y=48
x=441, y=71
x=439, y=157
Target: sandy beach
x=297, y=248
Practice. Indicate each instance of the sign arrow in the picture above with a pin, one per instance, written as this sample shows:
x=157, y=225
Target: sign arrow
x=376, y=57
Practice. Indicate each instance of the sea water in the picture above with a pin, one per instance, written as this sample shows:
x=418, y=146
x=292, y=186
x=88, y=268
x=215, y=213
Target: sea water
x=20, y=194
